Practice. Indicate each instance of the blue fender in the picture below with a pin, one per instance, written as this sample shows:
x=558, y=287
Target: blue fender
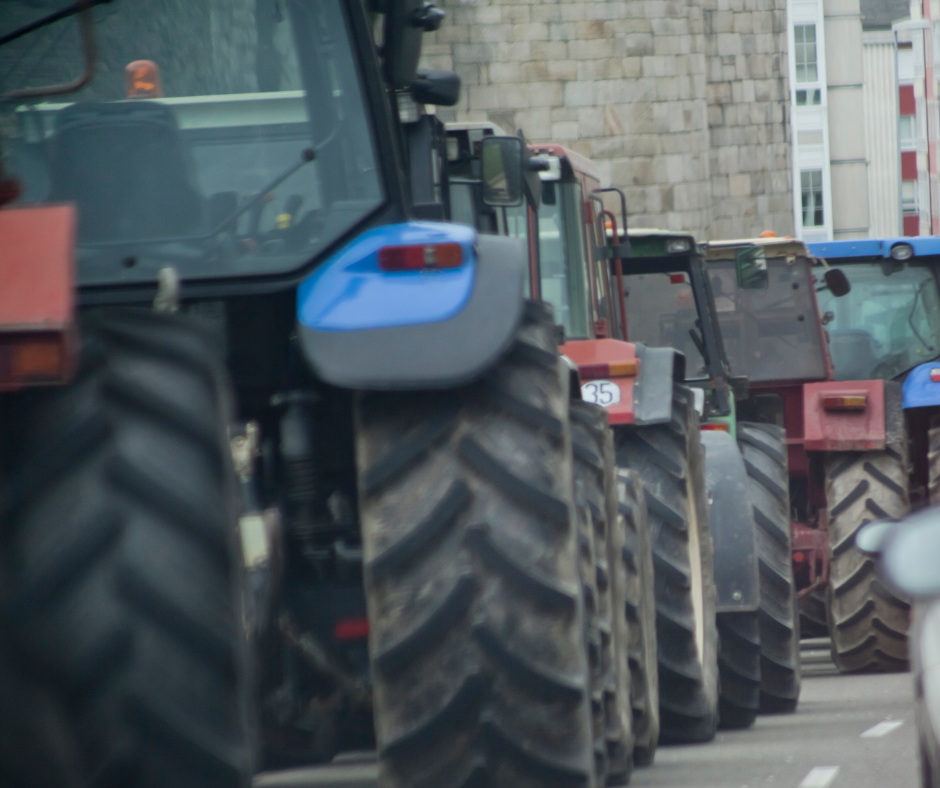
x=919, y=390
x=731, y=520
x=364, y=328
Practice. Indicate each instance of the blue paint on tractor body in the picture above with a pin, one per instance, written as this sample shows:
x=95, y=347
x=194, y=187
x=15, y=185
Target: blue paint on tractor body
x=919, y=390
x=874, y=247
x=349, y=292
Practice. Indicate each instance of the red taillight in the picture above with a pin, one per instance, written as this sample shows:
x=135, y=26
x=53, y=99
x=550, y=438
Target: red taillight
x=417, y=258
x=612, y=369
x=347, y=629
x=677, y=279
x=33, y=358
x=799, y=557
x=935, y=374
x=844, y=401
x=715, y=426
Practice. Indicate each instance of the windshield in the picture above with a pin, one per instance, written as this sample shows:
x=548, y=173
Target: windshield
x=562, y=257
x=888, y=323
x=208, y=166
x=661, y=312
x=771, y=334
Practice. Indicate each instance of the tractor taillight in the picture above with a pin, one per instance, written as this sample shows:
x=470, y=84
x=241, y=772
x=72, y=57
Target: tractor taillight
x=844, y=402
x=611, y=369
x=715, y=426
x=420, y=257
x=33, y=358
x=935, y=374
x=348, y=629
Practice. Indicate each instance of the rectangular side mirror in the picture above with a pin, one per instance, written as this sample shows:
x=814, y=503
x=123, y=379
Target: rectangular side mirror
x=502, y=159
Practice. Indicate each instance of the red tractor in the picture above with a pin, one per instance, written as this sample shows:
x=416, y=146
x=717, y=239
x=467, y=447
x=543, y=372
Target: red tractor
x=846, y=443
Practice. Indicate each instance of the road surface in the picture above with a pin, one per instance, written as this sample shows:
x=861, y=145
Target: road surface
x=849, y=732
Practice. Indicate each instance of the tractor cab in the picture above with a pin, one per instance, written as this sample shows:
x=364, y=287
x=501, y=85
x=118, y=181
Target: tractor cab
x=889, y=324
x=671, y=302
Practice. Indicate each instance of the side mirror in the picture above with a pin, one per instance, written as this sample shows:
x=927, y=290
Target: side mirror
x=910, y=554
x=837, y=282
x=502, y=159
x=431, y=86
x=405, y=22
x=870, y=538
x=750, y=265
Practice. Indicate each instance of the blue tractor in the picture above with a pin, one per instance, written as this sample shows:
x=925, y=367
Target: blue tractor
x=884, y=340
x=311, y=476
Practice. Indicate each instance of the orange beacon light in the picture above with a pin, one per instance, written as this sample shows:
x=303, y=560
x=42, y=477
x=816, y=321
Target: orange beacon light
x=142, y=78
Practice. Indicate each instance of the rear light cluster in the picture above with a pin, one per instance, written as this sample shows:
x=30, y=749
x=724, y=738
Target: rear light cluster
x=420, y=257
x=935, y=374
x=33, y=358
x=611, y=369
x=715, y=426
x=349, y=629
x=844, y=402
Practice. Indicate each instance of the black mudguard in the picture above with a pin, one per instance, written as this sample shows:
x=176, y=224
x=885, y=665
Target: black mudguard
x=732, y=523
x=660, y=368
x=432, y=355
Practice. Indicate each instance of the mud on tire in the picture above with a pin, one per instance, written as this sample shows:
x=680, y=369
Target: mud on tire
x=669, y=461
x=764, y=449
x=867, y=622
x=122, y=562
x=471, y=557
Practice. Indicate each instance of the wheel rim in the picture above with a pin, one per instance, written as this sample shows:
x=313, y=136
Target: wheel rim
x=695, y=566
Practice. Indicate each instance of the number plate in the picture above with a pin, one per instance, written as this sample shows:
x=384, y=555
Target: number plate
x=601, y=392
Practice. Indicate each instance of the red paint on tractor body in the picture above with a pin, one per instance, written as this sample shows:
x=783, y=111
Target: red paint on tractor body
x=37, y=302
x=587, y=352
x=844, y=430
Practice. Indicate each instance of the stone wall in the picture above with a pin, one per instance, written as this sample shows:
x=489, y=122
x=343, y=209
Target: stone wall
x=682, y=104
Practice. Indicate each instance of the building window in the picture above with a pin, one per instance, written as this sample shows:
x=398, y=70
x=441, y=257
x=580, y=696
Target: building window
x=909, y=196
x=808, y=97
x=811, y=183
x=804, y=37
x=907, y=132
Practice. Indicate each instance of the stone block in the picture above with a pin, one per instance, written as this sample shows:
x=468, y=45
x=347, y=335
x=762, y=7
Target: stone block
x=563, y=132
x=533, y=31
x=514, y=96
x=547, y=13
x=514, y=51
x=533, y=71
x=639, y=44
x=517, y=14
x=591, y=122
x=729, y=44
x=501, y=73
x=739, y=185
x=578, y=94
x=547, y=50
x=722, y=22
x=545, y=94
x=604, y=68
x=535, y=124
x=562, y=69
x=489, y=15
x=484, y=97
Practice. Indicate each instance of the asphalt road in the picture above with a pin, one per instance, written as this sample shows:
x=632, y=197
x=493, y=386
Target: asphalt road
x=849, y=732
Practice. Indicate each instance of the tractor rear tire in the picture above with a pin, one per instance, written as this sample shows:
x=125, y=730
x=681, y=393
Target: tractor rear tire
x=868, y=623
x=595, y=475
x=670, y=463
x=477, y=647
x=636, y=559
x=123, y=565
x=764, y=449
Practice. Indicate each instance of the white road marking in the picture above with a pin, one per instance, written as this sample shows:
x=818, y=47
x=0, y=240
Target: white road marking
x=820, y=777
x=882, y=729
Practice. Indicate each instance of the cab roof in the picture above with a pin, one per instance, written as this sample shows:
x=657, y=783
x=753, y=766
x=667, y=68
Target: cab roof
x=578, y=162
x=875, y=247
x=779, y=247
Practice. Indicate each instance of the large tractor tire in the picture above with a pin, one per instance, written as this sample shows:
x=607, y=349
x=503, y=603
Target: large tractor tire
x=123, y=564
x=636, y=560
x=868, y=623
x=595, y=478
x=669, y=461
x=477, y=644
x=764, y=449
